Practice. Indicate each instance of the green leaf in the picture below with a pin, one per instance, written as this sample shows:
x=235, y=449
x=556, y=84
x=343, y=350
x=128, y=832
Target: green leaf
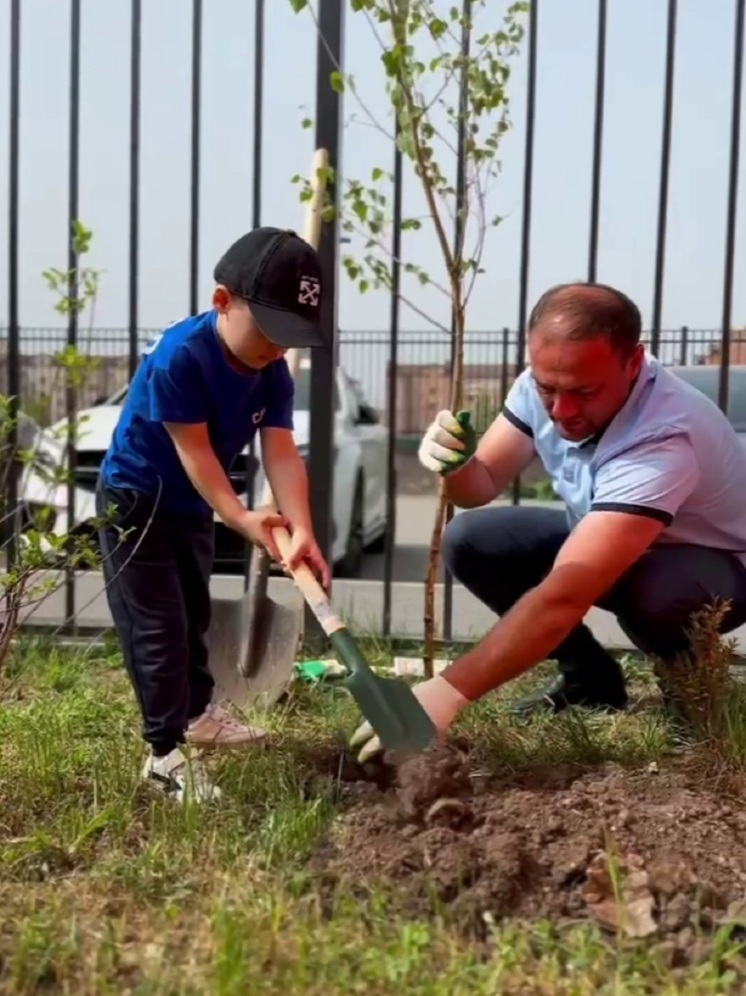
x=337, y=81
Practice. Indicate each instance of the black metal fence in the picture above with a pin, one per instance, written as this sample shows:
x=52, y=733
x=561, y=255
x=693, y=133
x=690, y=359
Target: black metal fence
x=401, y=373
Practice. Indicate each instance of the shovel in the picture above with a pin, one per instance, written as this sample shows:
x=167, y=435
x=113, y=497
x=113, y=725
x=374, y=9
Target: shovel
x=389, y=704
x=253, y=642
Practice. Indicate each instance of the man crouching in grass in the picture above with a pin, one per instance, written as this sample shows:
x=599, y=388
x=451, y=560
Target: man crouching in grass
x=653, y=478
x=204, y=387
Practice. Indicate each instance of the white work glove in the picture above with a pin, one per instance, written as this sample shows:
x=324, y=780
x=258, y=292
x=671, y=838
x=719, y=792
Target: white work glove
x=448, y=443
x=438, y=698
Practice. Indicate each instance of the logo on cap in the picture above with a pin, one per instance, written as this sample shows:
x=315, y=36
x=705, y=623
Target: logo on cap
x=310, y=291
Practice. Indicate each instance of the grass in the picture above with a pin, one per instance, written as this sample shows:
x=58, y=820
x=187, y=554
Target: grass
x=107, y=889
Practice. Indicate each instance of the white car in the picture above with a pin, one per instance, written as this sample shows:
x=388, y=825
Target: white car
x=360, y=472
x=43, y=455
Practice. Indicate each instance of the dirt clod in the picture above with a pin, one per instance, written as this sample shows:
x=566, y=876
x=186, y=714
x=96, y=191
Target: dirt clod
x=434, y=783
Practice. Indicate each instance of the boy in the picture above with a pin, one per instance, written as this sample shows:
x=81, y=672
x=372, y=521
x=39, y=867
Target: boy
x=203, y=389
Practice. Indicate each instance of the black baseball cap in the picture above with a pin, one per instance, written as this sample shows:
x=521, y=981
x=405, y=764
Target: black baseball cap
x=279, y=274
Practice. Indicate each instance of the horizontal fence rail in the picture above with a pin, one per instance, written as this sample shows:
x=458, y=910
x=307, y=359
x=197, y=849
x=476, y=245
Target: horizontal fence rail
x=422, y=373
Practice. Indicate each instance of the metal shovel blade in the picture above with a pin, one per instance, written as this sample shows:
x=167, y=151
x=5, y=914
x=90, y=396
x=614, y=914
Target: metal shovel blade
x=392, y=710
x=389, y=704
x=254, y=667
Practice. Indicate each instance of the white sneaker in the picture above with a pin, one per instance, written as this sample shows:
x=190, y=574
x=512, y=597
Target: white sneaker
x=216, y=728
x=181, y=778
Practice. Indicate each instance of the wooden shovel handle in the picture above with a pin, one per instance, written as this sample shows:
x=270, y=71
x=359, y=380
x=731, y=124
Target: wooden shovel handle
x=309, y=587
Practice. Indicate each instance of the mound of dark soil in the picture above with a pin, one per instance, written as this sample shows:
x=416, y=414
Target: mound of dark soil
x=641, y=853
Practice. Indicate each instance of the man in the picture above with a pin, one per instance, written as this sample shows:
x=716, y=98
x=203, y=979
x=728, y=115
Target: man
x=653, y=479
x=205, y=386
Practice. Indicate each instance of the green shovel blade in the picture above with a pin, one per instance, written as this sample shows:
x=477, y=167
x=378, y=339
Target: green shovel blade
x=389, y=704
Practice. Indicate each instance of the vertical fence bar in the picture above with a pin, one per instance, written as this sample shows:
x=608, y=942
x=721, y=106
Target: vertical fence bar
x=684, y=346
x=660, y=249
x=457, y=355
x=134, y=234
x=72, y=291
x=256, y=199
x=257, y=147
x=390, y=539
x=329, y=59
x=598, y=128
x=504, y=361
x=196, y=144
x=730, y=235
x=9, y=481
x=256, y=220
x=528, y=185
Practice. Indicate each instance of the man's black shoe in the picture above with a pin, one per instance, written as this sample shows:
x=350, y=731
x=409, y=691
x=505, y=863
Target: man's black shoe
x=564, y=692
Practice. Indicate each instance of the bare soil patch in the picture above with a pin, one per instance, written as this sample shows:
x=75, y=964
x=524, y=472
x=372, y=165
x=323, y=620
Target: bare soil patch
x=644, y=853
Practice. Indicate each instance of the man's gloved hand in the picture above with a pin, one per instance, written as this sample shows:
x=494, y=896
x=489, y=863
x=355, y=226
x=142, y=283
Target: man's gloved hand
x=448, y=443
x=438, y=698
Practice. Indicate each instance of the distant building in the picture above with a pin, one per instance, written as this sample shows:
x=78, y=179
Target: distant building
x=424, y=389
x=736, y=353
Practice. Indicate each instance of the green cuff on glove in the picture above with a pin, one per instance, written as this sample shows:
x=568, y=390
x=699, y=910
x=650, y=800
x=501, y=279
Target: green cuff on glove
x=467, y=436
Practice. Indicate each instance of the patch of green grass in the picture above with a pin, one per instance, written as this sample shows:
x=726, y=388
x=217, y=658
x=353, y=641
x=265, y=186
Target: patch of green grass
x=106, y=888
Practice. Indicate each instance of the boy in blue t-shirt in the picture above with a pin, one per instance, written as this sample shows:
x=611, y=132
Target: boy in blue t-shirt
x=203, y=389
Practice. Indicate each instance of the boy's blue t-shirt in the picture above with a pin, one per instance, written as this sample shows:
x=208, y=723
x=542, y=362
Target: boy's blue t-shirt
x=185, y=377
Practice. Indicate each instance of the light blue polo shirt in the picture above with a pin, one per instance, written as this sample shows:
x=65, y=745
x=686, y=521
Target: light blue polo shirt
x=670, y=453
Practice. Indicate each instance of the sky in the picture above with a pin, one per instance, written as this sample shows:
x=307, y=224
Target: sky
x=562, y=158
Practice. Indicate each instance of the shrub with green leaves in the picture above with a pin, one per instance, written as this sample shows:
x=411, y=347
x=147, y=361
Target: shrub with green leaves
x=36, y=555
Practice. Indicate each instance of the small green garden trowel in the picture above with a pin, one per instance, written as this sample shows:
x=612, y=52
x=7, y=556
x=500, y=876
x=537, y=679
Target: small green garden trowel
x=389, y=704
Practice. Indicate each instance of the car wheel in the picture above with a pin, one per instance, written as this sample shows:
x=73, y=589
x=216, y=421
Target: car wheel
x=378, y=545
x=351, y=564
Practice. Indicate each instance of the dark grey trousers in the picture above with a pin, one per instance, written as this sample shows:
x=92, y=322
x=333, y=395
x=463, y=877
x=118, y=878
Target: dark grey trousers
x=498, y=554
x=158, y=591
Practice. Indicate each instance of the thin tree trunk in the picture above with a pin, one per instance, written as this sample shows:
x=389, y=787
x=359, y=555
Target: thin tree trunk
x=457, y=392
